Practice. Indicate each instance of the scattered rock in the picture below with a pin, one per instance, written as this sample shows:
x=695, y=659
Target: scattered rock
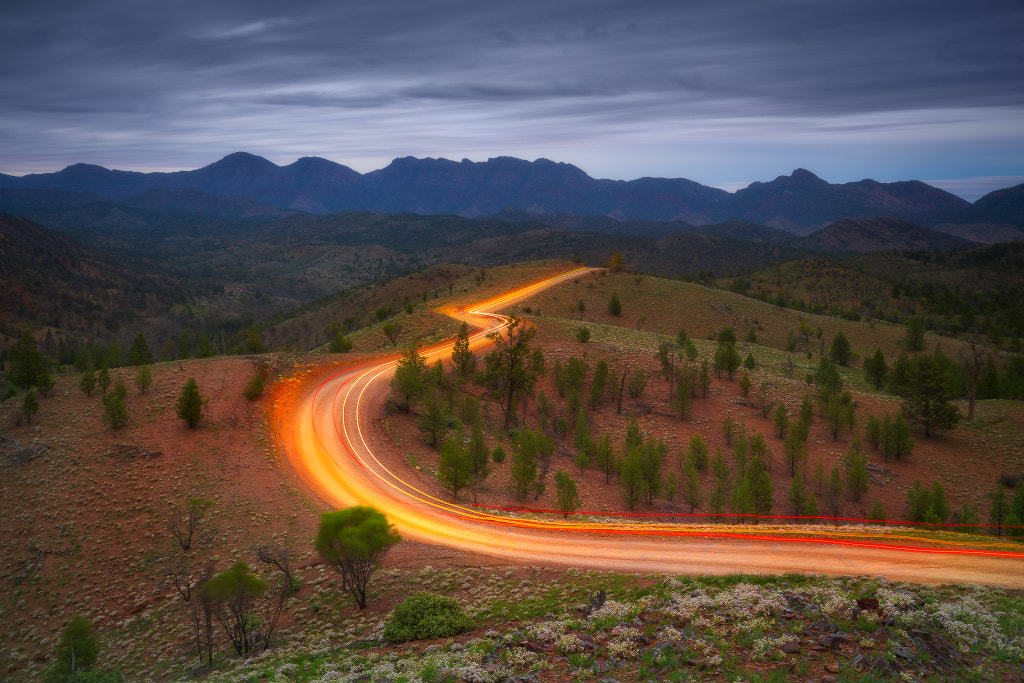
x=867, y=603
x=944, y=654
x=832, y=668
x=20, y=456
x=834, y=641
x=904, y=653
x=791, y=648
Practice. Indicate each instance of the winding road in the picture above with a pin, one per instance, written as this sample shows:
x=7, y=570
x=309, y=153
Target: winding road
x=331, y=445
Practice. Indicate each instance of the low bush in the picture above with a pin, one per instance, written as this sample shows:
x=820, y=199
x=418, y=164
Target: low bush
x=424, y=616
x=254, y=389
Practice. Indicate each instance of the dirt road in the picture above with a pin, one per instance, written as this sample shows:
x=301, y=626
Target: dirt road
x=332, y=447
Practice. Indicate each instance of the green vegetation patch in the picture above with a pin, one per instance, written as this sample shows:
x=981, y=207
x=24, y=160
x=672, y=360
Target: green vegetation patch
x=425, y=616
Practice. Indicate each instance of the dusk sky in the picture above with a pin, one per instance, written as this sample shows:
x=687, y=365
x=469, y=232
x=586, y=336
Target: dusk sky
x=721, y=92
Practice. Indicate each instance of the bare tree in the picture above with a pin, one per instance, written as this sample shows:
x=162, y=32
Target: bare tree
x=973, y=356
x=391, y=331
x=183, y=522
x=279, y=556
x=188, y=580
x=764, y=398
x=622, y=386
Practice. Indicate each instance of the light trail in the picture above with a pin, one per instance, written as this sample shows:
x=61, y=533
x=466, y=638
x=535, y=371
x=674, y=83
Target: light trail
x=329, y=443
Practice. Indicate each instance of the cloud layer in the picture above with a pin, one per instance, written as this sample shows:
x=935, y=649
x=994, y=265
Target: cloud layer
x=720, y=92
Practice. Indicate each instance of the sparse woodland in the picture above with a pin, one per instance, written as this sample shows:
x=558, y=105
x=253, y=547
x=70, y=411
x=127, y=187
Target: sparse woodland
x=148, y=519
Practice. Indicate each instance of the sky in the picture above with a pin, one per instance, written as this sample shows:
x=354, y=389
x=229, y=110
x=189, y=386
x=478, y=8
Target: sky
x=723, y=92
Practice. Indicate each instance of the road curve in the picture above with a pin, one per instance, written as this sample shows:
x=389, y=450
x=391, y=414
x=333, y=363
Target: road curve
x=329, y=442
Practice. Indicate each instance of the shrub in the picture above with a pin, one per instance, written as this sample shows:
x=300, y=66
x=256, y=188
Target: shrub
x=614, y=305
x=425, y=616
x=498, y=455
x=77, y=649
x=340, y=344
x=253, y=390
x=115, y=412
x=583, y=335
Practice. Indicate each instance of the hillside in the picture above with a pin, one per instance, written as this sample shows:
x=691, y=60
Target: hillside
x=799, y=203
x=87, y=506
x=49, y=280
x=863, y=235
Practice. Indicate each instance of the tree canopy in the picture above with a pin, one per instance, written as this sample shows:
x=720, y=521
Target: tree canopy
x=354, y=541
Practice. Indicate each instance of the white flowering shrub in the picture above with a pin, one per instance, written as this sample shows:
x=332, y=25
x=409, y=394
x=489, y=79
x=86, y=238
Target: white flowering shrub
x=286, y=671
x=768, y=647
x=547, y=632
x=570, y=643
x=519, y=658
x=895, y=601
x=670, y=633
x=967, y=623
x=620, y=610
x=623, y=649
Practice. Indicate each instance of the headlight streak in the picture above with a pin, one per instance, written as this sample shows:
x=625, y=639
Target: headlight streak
x=346, y=470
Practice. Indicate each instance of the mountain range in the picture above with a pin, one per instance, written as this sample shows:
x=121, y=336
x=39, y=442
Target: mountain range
x=546, y=191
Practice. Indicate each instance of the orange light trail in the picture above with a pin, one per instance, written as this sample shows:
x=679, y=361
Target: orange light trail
x=327, y=445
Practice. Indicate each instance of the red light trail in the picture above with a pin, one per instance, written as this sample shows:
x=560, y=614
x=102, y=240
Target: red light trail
x=328, y=444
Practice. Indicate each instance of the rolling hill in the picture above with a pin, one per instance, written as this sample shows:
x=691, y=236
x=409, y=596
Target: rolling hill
x=864, y=235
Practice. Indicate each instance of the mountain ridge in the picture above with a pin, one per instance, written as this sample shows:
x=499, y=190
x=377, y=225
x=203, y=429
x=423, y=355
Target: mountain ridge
x=799, y=203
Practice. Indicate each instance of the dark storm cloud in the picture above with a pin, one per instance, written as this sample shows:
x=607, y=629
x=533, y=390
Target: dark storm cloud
x=147, y=82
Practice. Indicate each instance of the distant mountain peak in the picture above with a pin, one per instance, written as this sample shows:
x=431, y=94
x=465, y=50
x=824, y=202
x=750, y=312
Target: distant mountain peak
x=803, y=175
x=243, y=160
x=78, y=169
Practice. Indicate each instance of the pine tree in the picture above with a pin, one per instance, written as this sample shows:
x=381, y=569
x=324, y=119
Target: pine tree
x=745, y=384
x=652, y=454
x=566, y=493
x=834, y=493
x=605, y=458
x=433, y=422
x=524, y=463
x=999, y=511
x=840, y=350
x=455, y=468
x=693, y=495
x=914, y=340
x=614, y=305
x=479, y=457
x=30, y=405
x=139, y=353
x=144, y=378
x=760, y=485
x=409, y=381
x=781, y=421
x=87, y=383
x=873, y=431
x=190, y=403
x=682, y=398
x=631, y=478
x=462, y=358
x=856, y=463
x=26, y=363
x=697, y=455
x=797, y=496
x=795, y=452
x=103, y=379
x=927, y=396
x=115, y=412
x=875, y=369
